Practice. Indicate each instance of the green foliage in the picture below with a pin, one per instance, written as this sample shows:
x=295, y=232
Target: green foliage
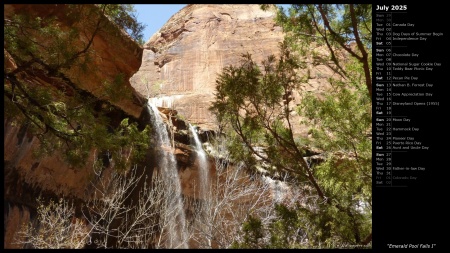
x=290, y=228
x=284, y=232
x=252, y=229
x=309, y=22
x=132, y=145
x=340, y=124
x=124, y=15
x=117, y=89
x=340, y=28
x=40, y=96
x=253, y=103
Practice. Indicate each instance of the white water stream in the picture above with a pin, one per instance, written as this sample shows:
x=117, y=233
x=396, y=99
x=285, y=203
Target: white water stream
x=202, y=164
x=174, y=217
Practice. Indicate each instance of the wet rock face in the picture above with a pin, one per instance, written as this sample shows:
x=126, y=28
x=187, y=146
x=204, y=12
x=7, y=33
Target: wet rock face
x=182, y=60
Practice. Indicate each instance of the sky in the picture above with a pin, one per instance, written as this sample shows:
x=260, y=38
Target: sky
x=154, y=16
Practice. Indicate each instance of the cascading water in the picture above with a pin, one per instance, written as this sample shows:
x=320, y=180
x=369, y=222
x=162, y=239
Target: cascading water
x=278, y=188
x=203, y=164
x=177, y=233
x=203, y=184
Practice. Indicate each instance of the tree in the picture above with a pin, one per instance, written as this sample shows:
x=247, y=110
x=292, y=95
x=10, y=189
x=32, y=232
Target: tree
x=124, y=15
x=340, y=129
x=346, y=31
x=342, y=28
x=40, y=96
x=255, y=104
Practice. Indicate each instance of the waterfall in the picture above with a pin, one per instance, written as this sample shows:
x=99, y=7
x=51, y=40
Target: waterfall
x=278, y=188
x=174, y=217
x=203, y=184
x=165, y=101
x=202, y=164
